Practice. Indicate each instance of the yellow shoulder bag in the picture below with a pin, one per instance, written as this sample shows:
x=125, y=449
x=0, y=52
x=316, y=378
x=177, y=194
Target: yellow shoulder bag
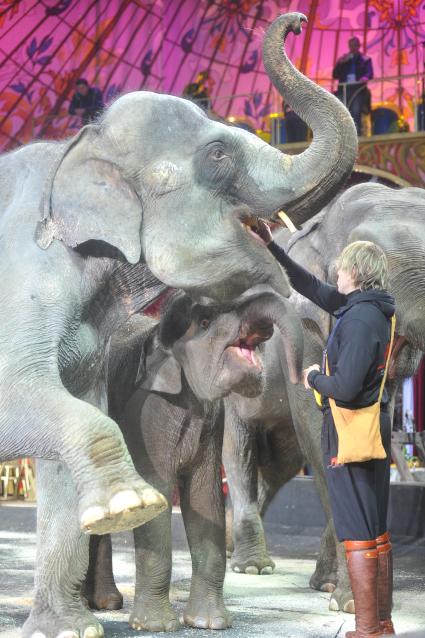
x=359, y=431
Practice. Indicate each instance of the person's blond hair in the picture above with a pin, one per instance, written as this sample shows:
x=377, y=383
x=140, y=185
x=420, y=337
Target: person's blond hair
x=367, y=263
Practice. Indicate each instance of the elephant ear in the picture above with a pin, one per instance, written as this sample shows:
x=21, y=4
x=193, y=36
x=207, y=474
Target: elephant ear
x=158, y=371
x=87, y=198
x=167, y=379
x=175, y=320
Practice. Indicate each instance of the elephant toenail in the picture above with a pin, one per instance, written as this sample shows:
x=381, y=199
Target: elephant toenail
x=349, y=607
x=201, y=623
x=38, y=634
x=92, y=515
x=68, y=634
x=91, y=632
x=218, y=623
x=149, y=496
x=333, y=605
x=252, y=570
x=328, y=587
x=236, y=569
x=127, y=499
x=267, y=570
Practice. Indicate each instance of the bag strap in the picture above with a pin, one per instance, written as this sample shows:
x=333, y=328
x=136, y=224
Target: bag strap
x=325, y=351
x=387, y=363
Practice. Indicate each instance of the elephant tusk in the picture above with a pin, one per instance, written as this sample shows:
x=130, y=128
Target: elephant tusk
x=288, y=223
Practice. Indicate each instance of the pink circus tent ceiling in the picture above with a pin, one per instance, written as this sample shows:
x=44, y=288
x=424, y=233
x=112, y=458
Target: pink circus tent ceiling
x=161, y=45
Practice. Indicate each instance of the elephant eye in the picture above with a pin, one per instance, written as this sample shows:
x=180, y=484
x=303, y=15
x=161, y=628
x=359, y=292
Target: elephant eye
x=205, y=323
x=217, y=154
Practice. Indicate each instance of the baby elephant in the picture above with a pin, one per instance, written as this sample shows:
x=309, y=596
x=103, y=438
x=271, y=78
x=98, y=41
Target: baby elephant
x=165, y=391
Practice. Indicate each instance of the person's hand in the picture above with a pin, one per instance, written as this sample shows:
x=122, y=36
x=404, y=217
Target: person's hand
x=263, y=230
x=306, y=372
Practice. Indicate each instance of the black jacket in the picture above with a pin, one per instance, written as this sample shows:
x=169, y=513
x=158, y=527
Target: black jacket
x=92, y=103
x=357, y=346
x=361, y=64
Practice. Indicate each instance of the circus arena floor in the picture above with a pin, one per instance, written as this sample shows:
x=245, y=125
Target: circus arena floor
x=279, y=605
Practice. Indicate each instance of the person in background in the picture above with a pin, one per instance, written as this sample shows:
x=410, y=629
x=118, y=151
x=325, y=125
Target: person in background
x=200, y=90
x=354, y=70
x=87, y=102
x=350, y=387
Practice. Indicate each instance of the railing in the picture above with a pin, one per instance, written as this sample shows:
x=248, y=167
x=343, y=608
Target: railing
x=257, y=110
x=402, y=94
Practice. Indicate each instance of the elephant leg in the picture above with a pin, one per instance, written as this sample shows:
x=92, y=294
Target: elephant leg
x=282, y=461
x=111, y=494
x=202, y=505
x=342, y=597
x=99, y=588
x=250, y=554
x=152, y=610
x=62, y=559
x=331, y=568
x=325, y=576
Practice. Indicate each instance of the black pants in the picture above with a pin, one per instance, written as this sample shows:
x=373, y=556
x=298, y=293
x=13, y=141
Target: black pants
x=357, y=99
x=358, y=492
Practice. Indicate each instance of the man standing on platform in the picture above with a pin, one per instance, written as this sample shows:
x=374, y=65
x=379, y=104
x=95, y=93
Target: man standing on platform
x=87, y=102
x=353, y=70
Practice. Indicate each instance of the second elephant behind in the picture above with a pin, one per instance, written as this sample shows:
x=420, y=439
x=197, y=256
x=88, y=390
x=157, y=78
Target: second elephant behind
x=256, y=459
x=166, y=387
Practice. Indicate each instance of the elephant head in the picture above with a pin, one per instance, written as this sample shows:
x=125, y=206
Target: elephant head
x=157, y=180
x=393, y=219
x=220, y=347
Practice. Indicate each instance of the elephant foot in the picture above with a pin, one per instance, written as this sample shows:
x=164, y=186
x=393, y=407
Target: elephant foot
x=323, y=581
x=45, y=623
x=158, y=616
x=104, y=597
x=254, y=564
x=127, y=509
x=206, y=612
x=342, y=600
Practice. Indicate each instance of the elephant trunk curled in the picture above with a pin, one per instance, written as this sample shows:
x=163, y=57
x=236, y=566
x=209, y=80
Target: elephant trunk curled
x=316, y=174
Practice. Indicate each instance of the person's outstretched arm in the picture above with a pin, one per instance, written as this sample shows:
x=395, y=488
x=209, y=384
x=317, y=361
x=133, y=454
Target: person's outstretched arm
x=323, y=295
x=320, y=293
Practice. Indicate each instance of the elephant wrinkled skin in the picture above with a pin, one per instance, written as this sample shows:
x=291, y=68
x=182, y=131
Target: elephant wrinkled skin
x=394, y=219
x=165, y=391
x=154, y=181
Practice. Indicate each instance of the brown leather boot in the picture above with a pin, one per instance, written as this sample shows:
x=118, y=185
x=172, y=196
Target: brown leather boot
x=362, y=561
x=385, y=582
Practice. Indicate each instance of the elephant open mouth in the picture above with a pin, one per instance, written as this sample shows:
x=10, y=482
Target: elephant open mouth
x=245, y=346
x=247, y=353
x=250, y=224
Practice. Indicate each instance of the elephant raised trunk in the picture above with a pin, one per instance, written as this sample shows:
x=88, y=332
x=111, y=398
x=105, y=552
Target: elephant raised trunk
x=268, y=305
x=317, y=174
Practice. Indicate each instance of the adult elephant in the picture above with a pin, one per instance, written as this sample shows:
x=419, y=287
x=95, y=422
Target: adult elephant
x=258, y=459
x=177, y=197
x=165, y=391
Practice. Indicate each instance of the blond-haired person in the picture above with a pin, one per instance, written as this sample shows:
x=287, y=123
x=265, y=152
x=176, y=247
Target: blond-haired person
x=351, y=380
